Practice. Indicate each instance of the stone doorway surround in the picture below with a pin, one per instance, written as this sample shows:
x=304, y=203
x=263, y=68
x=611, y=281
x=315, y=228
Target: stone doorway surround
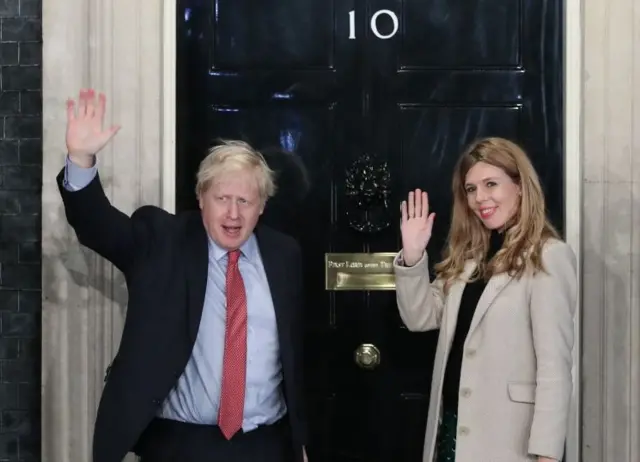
x=127, y=49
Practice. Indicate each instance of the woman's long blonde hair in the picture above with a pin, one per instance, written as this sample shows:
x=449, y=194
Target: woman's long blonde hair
x=526, y=232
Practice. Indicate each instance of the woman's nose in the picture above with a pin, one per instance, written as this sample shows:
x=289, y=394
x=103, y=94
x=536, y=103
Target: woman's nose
x=481, y=195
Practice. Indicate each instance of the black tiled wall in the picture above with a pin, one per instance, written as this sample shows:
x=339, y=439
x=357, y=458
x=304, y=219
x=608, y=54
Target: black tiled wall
x=20, y=209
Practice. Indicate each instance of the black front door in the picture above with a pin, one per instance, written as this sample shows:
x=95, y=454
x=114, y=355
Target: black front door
x=373, y=98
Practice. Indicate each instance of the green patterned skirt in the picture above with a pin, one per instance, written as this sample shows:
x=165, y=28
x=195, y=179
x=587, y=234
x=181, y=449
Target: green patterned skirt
x=446, y=443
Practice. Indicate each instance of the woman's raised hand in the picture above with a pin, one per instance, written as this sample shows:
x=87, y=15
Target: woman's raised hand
x=416, y=226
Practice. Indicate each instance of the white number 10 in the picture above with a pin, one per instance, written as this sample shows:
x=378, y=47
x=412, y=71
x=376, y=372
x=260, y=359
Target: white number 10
x=374, y=24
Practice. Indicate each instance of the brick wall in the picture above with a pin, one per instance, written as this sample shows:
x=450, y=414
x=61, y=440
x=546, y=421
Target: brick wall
x=20, y=208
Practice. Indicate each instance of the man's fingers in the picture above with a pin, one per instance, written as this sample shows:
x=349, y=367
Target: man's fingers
x=91, y=103
x=101, y=108
x=71, y=109
x=82, y=103
x=110, y=133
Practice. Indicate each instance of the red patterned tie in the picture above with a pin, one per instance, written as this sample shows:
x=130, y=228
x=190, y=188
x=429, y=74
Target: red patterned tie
x=234, y=366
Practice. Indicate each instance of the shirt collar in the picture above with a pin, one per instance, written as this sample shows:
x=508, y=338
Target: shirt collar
x=248, y=249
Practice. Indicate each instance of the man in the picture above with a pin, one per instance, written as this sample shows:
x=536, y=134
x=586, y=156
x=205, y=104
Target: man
x=210, y=363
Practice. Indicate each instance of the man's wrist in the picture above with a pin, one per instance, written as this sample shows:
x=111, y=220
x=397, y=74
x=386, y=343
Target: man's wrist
x=83, y=161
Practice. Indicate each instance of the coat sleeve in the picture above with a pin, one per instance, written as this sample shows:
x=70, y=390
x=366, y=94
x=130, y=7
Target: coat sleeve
x=420, y=301
x=553, y=302
x=103, y=228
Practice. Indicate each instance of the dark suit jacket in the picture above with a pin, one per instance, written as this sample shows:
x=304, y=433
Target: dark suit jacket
x=164, y=259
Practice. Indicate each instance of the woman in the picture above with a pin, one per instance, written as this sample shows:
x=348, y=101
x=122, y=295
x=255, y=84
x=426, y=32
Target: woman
x=503, y=298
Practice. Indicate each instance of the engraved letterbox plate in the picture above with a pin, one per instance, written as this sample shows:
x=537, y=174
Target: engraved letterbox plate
x=359, y=271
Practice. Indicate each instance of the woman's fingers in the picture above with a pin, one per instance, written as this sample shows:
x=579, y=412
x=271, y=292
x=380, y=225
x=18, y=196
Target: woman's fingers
x=418, y=210
x=416, y=205
x=411, y=205
x=430, y=222
x=425, y=205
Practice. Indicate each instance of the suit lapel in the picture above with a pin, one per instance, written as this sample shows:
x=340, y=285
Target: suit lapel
x=197, y=268
x=276, y=275
x=495, y=285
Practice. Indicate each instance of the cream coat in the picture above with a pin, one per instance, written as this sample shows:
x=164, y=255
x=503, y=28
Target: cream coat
x=515, y=382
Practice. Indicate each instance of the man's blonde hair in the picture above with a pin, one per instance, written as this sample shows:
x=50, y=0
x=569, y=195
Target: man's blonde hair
x=232, y=156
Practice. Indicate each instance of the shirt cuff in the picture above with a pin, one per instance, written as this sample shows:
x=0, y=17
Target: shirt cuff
x=76, y=177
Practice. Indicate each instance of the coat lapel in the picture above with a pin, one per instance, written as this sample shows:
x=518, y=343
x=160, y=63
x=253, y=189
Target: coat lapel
x=455, y=297
x=197, y=268
x=495, y=285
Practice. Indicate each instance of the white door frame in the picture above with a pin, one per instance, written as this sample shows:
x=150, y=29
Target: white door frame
x=573, y=87
x=573, y=65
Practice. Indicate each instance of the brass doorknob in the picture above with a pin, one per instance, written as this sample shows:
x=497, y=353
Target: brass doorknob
x=367, y=356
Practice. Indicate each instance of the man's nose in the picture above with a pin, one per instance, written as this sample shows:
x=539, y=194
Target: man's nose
x=233, y=210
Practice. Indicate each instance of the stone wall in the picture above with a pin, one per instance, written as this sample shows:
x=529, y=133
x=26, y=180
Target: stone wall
x=611, y=231
x=113, y=46
x=20, y=206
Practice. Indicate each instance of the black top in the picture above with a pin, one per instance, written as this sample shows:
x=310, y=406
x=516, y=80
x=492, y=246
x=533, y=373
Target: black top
x=468, y=303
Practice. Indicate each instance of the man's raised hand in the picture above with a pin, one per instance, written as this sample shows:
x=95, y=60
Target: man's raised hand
x=85, y=133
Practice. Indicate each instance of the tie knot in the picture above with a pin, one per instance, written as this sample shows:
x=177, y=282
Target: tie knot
x=234, y=255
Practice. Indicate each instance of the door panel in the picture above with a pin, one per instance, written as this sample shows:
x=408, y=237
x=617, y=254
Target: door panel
x=459, y=34
x=284, y=74
x=272, y=35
